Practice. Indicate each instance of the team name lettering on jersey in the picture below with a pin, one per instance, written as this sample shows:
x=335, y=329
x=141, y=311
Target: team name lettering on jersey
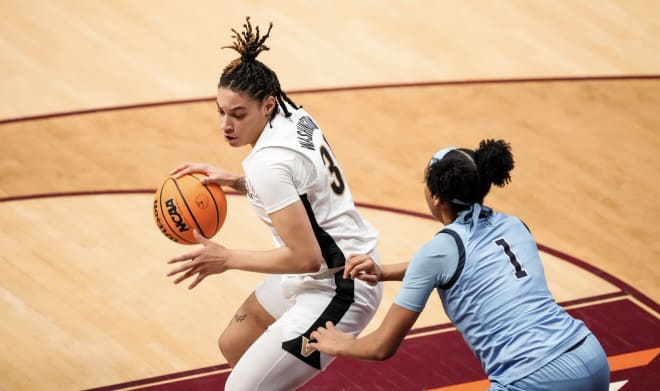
x=305, y=132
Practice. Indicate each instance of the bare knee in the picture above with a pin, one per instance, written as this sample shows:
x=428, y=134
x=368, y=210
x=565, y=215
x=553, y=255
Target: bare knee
x=228, y=349
x=234, y=341
x=249, y=322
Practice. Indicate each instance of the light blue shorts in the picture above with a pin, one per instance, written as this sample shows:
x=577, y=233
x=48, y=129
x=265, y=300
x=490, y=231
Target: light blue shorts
x=583, y=367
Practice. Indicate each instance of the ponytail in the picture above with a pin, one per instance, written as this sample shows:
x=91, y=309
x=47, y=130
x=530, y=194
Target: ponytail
x=464, y=177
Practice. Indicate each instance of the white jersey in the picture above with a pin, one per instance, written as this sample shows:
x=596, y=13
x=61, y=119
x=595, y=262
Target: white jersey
x=291, y=161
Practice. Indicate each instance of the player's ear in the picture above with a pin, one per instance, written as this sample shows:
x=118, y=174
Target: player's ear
x=269, y=105
x=436, y=201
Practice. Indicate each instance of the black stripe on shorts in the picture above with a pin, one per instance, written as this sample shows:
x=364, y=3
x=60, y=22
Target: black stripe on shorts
x=340, y=303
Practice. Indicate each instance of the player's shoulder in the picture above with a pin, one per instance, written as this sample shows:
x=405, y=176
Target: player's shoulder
x=277, y=159
x=510, y=221
x=446, y=239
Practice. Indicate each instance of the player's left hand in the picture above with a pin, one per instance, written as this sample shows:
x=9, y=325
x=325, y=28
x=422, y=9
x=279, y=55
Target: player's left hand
x=210, y=259
x=329, y=340
x=363, y=267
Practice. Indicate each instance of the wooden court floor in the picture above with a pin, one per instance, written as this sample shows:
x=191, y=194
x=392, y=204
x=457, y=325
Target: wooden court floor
x=83, y=294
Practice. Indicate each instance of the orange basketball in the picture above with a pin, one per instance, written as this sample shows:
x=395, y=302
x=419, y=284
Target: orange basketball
x=184, y=204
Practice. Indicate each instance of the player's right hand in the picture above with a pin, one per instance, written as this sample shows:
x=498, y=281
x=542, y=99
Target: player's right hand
x=212, y=174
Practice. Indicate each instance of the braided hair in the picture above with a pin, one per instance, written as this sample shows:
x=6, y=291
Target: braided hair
x=463, y=177
x=246, y=74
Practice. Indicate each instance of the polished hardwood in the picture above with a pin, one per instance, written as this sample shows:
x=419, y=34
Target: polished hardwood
x=83, y=293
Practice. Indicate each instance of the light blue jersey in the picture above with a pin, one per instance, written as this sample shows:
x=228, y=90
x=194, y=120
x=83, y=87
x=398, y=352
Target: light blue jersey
x=489, y=275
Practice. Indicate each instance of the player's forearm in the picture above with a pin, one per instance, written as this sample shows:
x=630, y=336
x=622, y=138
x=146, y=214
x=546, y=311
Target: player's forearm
x=370, y=347
x=281, y=260
x=393, y=272
x=385, y=340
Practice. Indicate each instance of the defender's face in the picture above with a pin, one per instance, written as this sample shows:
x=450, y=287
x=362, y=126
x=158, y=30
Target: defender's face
x=242, y=119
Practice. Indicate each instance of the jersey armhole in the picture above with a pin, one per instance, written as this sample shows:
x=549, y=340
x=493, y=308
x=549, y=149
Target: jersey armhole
x=461, y=258
x=525, y=225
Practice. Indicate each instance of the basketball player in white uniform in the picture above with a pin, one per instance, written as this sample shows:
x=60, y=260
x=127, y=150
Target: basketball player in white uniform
x=295, y=184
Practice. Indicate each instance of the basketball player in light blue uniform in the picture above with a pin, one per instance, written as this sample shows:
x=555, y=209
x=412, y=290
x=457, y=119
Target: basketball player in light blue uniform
x=488, y=273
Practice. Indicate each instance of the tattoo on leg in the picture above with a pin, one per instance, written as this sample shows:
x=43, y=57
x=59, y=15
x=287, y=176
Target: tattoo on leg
x=240, y=318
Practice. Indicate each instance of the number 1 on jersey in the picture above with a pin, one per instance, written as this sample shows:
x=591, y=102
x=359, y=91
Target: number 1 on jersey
x=519, y=271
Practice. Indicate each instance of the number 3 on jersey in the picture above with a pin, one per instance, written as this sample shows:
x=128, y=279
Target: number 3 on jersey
x=337, y=184
x=519, y=271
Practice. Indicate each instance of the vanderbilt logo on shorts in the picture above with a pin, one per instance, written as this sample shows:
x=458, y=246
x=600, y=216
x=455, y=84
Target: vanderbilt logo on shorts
x=305, y=349
x=335, y=310
x=300, y=348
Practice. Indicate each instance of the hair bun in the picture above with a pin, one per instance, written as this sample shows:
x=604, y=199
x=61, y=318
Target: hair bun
x=495, y=161
x=248, y=43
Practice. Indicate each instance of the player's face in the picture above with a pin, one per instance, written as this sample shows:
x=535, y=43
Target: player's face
x=242, y=118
